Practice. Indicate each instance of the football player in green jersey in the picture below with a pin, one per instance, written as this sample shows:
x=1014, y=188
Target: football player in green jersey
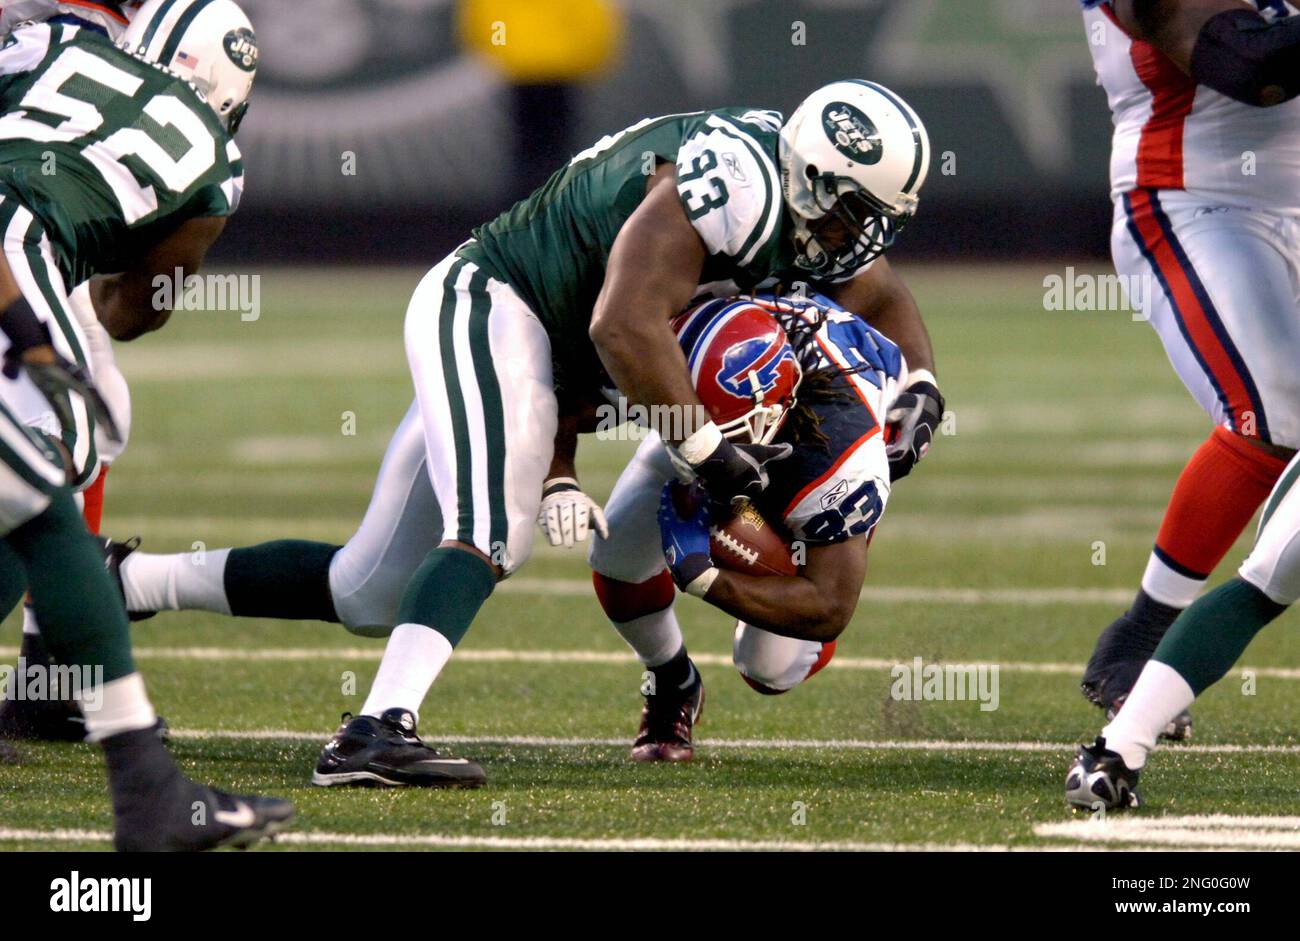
x=569, y=289
x=143, y=174
x=133, y=186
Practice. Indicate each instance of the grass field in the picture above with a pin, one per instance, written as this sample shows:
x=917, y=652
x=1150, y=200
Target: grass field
x=1070, y=429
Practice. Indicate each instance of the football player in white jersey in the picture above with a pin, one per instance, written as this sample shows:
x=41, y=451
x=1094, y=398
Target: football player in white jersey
x=1205, y=177
x=1197, y=651
x=796, y=370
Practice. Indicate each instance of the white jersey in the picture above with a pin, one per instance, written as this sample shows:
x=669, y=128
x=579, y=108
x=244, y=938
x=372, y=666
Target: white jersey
x=837, y=491
x=1171, y=133
x=112, y=17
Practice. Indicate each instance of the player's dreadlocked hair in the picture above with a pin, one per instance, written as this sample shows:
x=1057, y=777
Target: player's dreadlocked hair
x=821, y=383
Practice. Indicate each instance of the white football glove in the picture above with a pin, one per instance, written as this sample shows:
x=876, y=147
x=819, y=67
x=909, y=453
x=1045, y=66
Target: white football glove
x=568, y=514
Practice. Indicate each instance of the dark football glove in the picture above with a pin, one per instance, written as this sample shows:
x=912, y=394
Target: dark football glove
x=684, y=521
x=53, y=375
x=913, y=419
x=732, y=472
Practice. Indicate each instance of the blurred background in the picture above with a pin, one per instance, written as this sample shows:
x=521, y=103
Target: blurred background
x=383, y=130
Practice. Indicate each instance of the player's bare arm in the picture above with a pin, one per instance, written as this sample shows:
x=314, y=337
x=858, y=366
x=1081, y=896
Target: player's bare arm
x=125, y=303
x=814, y=605
x=654, y=268
x=1223, y=44
x=880, y=297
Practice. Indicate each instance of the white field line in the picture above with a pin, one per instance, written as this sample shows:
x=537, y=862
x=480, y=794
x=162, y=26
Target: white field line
x=619, y=844
x=900, y=594
x=1215, y=830
x=748, y=744
x=580, y=657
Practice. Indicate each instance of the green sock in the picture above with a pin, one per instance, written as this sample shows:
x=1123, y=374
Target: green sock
x=13, y=580
x=289, y=578
x=1210, y=636
x=81, y=613
x=446, y=592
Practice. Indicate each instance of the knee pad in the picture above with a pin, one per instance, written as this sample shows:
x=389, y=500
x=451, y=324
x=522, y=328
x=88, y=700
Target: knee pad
x=772, y=664
x=365, y=596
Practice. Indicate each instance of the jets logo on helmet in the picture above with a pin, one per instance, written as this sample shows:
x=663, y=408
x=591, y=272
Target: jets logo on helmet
x=210, y=43
x=241, y=46
x=853, y=158
x=742, y=366
x=852, y=133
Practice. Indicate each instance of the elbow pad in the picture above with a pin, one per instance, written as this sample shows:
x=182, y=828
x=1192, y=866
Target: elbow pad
x=1244, y=56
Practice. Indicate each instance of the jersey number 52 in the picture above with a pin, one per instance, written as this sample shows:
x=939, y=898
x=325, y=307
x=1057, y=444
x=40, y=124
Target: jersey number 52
x=62, y=93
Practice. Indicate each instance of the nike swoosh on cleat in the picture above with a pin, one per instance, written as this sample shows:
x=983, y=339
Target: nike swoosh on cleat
x=443, y=761
x=242, y=816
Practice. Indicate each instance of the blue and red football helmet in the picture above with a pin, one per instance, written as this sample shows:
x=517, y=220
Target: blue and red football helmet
x=742, y=366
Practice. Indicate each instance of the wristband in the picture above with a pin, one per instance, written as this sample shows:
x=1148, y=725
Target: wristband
x=922, y=375
x=700, y=585
x=559, y=485
x=701, y=444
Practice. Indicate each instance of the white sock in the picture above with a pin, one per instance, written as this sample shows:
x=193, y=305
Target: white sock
x=1169, y=587
x=414, y=657
x=185, y=581
x=655, y=638
x=116, y=707
x=29, y=621
x=1159, y=695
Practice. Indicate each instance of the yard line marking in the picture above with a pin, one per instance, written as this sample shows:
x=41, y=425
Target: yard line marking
x=621, y=658
x=766, y=744
x=629, y=844
x=1213, y=830
x=899, y=594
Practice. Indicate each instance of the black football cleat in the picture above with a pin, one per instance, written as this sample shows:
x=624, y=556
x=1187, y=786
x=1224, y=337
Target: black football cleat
x=56, y=720
x=1099, y=780
x=42, y=720
x=159, y=810
x=202, y=818
x=9, y=755
x=667, y=723
x=114, y=554
x=387, y=752
x=1179, y=728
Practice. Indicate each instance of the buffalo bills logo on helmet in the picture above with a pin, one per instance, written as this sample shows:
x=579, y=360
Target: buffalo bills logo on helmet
x=753, y=366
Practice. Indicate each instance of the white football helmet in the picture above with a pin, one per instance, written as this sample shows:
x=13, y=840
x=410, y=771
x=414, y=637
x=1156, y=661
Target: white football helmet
x=208, y=42
x=857, y=153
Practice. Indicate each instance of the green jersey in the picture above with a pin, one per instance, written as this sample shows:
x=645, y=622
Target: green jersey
x=552, y=247
x=108, y=151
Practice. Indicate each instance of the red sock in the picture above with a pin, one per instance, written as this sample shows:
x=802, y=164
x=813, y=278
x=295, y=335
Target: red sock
x=93, y=507
x=1216, y=495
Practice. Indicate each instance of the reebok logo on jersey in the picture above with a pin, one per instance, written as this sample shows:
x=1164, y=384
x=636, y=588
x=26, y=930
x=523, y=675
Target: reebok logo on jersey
x=835, y=494
x=732, y=163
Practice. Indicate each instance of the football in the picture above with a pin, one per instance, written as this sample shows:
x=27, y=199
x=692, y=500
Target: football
x=749, y=543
